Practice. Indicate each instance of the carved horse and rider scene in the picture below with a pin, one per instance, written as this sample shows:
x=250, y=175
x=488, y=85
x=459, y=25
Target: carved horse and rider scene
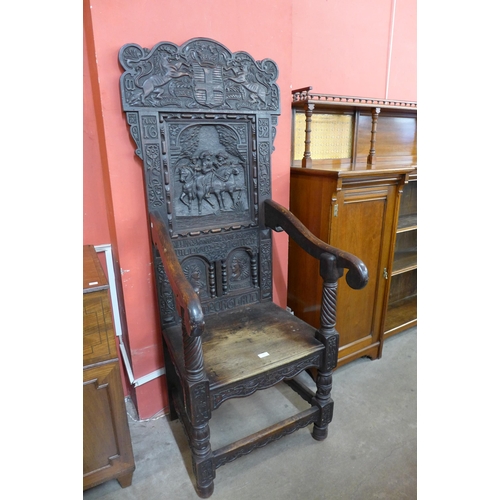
x=211, y=173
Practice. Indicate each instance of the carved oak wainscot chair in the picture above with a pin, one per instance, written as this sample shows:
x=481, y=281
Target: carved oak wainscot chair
x=204, y=119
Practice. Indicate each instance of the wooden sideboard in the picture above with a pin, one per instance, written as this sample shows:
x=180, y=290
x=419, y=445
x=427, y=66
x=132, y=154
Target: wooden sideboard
x=107, y=447
x=357, y=191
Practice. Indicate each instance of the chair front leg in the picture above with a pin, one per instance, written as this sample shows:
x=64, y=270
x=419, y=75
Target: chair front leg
x=198, y=413
x=330, y=338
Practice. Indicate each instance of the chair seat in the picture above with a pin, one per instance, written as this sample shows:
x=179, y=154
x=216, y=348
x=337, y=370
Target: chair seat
x=260, y=342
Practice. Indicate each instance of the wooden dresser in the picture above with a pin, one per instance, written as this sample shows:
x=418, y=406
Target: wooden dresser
x=107, y=448
x=354, y=185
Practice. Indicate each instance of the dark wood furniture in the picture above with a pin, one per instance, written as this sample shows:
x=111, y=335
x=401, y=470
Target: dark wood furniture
x=107, y=448
x=353, y=184
x=204, y=120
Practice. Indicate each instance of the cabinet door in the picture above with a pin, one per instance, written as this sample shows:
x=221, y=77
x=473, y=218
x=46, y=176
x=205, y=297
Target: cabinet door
x=402, y=304
x=362, y=223
x=107, y=449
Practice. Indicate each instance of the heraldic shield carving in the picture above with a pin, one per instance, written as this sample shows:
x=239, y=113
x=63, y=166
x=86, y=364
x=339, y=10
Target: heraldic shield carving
x=200, y=73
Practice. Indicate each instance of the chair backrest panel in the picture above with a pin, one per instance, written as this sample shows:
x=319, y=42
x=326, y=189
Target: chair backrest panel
x=204, y=120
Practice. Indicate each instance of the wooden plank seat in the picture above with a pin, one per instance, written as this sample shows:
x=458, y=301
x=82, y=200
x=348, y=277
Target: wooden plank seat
x=250, y=348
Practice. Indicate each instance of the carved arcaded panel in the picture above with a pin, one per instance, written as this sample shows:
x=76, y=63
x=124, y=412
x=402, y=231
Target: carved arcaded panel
x=240, y=270
x=199, y=273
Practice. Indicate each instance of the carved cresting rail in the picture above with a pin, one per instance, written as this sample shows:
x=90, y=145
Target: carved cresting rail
x=310, y=101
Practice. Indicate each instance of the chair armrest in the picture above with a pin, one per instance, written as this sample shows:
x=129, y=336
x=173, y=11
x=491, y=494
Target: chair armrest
x=279, y=218
x=187, y=301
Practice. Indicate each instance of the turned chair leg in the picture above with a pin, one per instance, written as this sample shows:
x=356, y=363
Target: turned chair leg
x=198, y=414
x=203, y=469
x=325, y=403
x=201, y=453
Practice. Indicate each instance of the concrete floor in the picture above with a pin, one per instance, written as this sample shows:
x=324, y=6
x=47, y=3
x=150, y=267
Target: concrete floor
x=370, y=453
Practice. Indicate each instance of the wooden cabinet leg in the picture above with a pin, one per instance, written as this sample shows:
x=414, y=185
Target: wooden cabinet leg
x=125, y=480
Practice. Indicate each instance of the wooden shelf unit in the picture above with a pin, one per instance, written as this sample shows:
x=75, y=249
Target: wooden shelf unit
x=402, y=306
x=107, y=446
x=358, y=194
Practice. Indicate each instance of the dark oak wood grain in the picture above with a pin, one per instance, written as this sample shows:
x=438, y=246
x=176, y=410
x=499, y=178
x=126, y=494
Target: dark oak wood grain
x=206, y=147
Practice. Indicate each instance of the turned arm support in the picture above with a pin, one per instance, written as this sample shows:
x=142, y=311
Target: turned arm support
x=187, y=301
x=279, y=218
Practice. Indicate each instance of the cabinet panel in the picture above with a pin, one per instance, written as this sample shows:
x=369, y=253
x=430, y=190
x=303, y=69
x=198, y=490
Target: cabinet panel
x=310, y=201
x=107, y=447
x=106, y=443
x=356, y=212
x=363, y=226
x=99, y=342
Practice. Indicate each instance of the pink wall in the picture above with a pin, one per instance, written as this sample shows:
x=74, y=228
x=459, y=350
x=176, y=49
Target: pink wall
x=95, y=227
x=358, y=47
x=341, y=46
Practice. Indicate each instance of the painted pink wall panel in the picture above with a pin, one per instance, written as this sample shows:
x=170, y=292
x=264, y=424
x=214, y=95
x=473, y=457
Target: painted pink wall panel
x=356, y=48
x=403, y=74
x=341, y=47
x=95, y=227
